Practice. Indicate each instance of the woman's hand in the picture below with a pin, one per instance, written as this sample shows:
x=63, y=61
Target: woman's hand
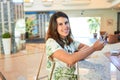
x=98, y=45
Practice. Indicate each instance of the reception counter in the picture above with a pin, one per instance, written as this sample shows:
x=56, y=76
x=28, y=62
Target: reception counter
x=98, y=66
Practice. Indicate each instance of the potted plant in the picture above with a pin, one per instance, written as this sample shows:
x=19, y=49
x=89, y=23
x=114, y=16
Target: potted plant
x=29, y=21
x=6, y=39
x=94, y=24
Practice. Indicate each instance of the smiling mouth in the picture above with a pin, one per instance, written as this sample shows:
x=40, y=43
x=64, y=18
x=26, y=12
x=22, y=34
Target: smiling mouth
x=65, y=31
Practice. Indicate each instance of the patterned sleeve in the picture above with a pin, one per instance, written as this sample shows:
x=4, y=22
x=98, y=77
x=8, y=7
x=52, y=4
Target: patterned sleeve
x=51, y=47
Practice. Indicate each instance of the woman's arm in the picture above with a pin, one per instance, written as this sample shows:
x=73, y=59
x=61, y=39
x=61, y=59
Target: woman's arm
x=71, y=59
x=82, y=46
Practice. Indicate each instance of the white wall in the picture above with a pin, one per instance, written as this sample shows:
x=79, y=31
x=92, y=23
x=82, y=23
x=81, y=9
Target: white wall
x=104, y=14
x=37, y=5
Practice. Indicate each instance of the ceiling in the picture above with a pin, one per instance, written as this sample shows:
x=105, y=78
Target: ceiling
x=114, y=3
x=97, y=3
x=72, y=4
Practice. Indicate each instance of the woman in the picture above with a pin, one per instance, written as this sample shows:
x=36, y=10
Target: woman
x=62, y=51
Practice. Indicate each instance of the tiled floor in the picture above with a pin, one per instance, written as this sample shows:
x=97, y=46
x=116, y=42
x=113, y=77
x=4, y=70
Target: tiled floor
x=25, y=64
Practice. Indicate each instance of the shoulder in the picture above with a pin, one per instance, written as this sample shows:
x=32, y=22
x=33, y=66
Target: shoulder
x=52, y=46
x=52, y=43
x=50, y=40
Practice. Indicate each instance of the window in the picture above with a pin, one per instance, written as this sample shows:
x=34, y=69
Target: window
x=17, y=1
x=80, y=29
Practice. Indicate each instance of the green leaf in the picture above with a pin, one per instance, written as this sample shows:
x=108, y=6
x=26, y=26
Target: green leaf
x=6, y=35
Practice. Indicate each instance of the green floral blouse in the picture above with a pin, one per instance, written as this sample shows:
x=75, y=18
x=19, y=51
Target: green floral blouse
x=60, y=69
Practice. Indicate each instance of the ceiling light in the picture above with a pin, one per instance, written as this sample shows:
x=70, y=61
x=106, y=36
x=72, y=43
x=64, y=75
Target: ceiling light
x=47, y=3
x=47, y=0
x=75, y=2
x=28, y=2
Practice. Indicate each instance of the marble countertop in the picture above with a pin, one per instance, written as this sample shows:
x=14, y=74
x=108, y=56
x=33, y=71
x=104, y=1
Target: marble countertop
x=98, y=67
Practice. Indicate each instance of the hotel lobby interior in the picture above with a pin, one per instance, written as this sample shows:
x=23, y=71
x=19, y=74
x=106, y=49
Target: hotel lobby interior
x=27, y=58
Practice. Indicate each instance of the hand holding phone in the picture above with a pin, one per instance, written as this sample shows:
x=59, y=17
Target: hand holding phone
x=103, y=38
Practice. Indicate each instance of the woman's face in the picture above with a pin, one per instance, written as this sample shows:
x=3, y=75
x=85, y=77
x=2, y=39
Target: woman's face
x=63, y=27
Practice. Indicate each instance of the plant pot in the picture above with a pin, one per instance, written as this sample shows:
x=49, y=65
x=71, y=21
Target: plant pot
x=95, y=35
x=6, y=45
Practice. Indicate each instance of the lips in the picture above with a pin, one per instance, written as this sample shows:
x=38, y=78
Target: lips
x=65, y=31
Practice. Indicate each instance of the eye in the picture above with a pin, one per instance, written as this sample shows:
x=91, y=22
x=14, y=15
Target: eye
x=66, y=22
x=60, y=24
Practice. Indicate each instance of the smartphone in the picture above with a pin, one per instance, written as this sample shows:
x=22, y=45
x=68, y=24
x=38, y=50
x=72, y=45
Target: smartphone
x=104, y=37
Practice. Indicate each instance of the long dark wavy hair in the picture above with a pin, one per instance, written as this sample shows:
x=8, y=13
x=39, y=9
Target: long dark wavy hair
x=52, y=30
